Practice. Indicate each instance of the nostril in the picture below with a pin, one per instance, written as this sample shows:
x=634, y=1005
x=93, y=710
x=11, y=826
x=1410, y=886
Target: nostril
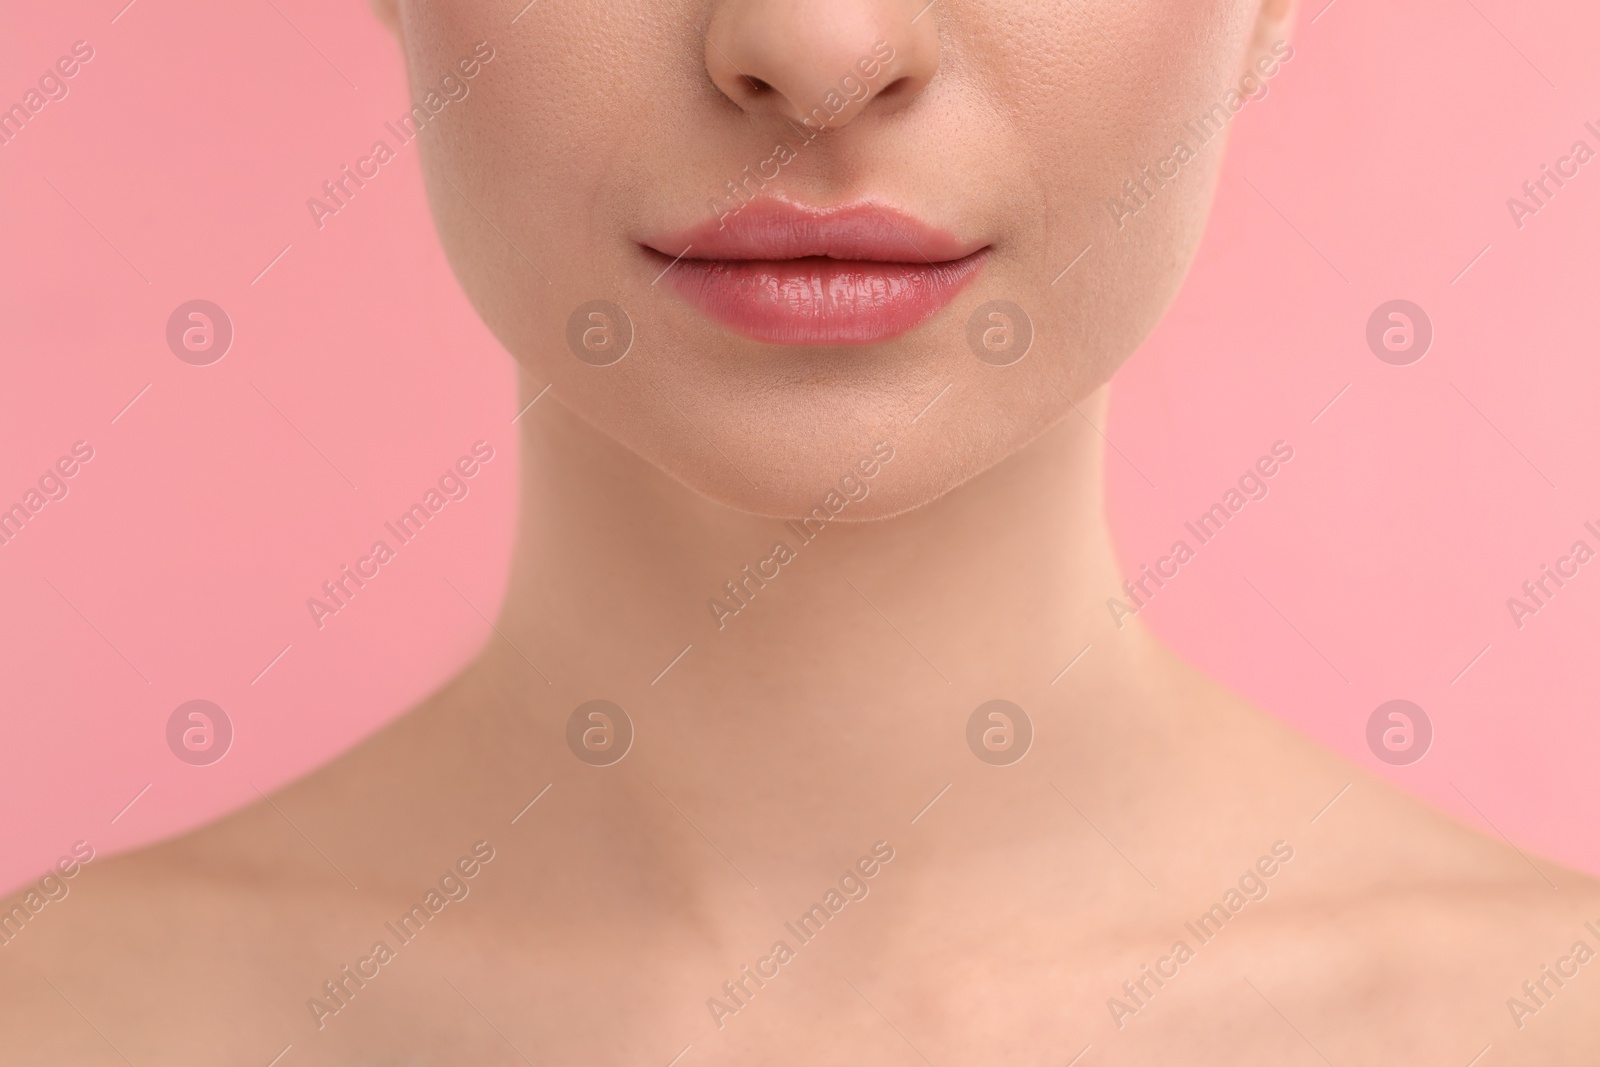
x=900, y=86
x=788, y=58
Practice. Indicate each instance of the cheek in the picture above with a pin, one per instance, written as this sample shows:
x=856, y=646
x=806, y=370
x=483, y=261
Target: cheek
x=572, y=124
x=1119, y=88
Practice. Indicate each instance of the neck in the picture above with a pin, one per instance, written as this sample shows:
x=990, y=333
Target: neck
x=830, y=698
x=618, y=568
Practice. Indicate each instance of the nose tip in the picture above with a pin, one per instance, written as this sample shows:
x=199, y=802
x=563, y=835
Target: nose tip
x=821, y=62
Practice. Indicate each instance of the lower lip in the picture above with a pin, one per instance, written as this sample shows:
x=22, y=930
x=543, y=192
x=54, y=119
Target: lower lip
x=819, y=301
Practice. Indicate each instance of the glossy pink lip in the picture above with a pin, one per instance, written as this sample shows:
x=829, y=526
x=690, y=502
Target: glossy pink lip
x=783, y=274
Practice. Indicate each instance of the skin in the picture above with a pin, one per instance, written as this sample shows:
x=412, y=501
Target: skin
x=826, y=715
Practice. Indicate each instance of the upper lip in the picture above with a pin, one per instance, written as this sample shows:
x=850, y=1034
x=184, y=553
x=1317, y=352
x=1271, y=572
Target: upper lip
x=774, y=229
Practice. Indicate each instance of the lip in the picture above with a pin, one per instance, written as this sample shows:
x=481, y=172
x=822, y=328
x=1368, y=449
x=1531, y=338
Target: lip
x=782, y=273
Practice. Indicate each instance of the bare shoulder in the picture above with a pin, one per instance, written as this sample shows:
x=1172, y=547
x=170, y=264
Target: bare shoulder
x=96, y=976
x=1412, y=935
x=205, y=948
x=1429, y=970
x=1396, y=933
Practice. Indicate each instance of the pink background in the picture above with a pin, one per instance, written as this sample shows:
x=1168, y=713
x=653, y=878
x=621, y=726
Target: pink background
x=178, y=566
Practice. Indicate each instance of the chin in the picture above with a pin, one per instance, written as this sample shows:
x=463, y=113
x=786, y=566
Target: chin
x=852, y=469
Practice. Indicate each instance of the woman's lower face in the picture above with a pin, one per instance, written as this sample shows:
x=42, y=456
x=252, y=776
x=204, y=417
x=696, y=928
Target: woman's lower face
x=747, y=238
